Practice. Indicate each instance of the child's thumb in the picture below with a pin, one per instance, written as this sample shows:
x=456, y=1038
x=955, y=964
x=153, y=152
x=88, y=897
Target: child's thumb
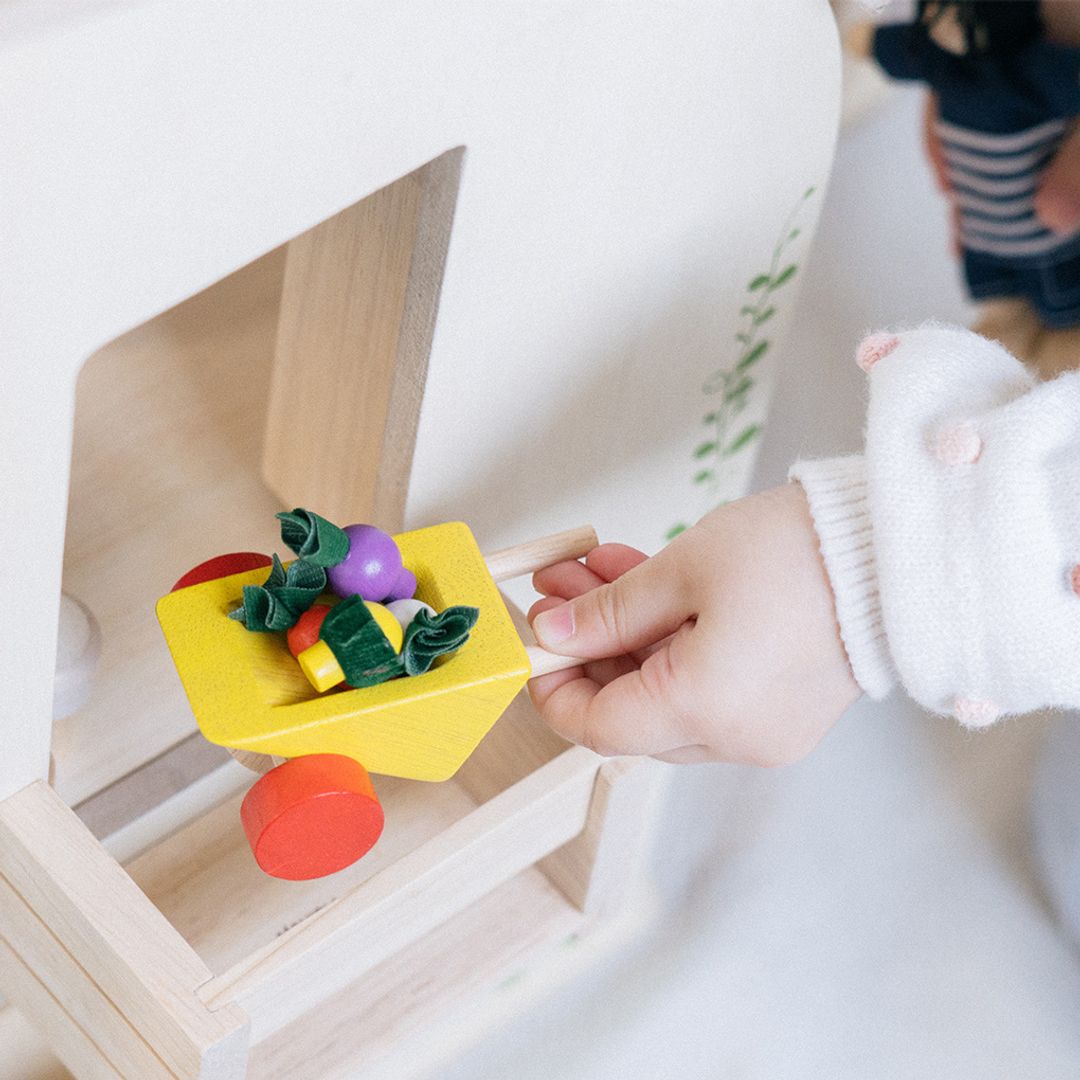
x=635, y=610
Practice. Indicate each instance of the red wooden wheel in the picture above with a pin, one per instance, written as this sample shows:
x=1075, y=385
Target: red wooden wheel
x=311, y=816
x=222, y=566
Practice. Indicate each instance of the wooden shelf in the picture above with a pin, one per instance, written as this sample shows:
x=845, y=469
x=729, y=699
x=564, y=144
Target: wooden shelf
x=205, y=882
x=375, y=1023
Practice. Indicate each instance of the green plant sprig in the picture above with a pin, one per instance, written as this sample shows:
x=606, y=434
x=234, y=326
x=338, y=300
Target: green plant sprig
x=725, y=439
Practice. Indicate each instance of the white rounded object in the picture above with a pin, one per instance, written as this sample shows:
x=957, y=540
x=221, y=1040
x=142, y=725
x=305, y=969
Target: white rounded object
x=78, y=649
x=405, y=611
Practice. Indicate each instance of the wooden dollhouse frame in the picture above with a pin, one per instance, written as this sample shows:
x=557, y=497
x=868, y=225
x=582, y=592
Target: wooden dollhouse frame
x=137, y=971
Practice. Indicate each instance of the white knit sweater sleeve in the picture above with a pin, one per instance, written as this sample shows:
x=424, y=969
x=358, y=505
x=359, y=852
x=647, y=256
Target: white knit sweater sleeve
x=953, y=544
x=836, y=492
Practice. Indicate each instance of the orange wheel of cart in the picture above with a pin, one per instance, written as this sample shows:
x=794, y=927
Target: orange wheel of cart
x=311, y=816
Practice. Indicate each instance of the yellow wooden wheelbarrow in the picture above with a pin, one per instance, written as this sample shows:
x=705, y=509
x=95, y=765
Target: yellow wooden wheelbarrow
x=314, y=810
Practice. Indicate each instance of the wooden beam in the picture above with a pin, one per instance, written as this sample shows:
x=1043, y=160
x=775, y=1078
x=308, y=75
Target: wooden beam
x=596, y=870
x=358, y=307
x=80, y=934
x=77, y=1048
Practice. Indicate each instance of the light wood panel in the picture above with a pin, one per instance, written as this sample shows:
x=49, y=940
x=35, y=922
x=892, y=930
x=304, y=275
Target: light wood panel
x=414, y=929
x=52, y=1021
x=357, y=316
x=94, y=1035
x=596, y=870
x=165, y=473
x=210, y=859
x=460, y=978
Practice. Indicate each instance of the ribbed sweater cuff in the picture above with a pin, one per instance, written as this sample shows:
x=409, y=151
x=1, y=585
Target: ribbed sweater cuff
x=836, y=491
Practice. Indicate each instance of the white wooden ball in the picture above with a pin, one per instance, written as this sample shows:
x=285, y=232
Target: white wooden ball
x=405, y=611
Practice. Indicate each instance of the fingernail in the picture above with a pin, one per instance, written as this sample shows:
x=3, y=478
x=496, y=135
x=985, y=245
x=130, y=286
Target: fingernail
x=554, y=626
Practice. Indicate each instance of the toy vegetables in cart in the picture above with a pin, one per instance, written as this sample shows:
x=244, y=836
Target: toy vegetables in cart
x=345, y=611
x=360, y=641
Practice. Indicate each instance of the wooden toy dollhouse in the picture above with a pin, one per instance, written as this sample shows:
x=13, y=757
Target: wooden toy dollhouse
x=212, y=969
x=227, y=232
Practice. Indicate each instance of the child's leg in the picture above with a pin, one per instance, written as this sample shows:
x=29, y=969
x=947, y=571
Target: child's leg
x=1056, y=351
x=1056, y=292
x=1013, y=322
x=1005, y=314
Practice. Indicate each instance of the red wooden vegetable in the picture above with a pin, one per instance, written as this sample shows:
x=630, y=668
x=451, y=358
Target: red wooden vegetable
x=222, y=566
x=305, y=631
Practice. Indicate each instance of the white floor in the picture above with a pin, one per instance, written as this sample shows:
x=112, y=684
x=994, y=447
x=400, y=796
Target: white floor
x=871, y=913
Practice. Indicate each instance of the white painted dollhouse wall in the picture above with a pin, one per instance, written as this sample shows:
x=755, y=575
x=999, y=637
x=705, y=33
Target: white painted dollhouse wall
x=629, y=168
x=593, y=323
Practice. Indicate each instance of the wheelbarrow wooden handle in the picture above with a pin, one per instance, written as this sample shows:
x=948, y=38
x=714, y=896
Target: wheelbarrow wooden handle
x=534, y=555
x=543, y=662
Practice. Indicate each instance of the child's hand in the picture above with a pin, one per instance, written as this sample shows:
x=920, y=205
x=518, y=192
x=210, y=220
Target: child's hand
x=723, y=647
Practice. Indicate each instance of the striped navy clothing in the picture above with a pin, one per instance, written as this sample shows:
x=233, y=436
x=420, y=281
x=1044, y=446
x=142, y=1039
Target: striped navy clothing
x=1001, y=121
x=994, y=178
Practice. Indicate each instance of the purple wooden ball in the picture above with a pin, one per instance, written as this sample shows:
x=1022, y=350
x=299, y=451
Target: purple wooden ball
x=372, y=567
x=404, y=588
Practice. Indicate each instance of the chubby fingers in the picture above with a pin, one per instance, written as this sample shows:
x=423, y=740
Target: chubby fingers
x=611, y=561
x=600, y=671
x=604, y=563
x=643, y=710
x=645, y=604
x=566, y=580
x=570, y=579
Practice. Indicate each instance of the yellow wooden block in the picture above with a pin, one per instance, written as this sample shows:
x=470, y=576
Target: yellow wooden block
x=248, y=692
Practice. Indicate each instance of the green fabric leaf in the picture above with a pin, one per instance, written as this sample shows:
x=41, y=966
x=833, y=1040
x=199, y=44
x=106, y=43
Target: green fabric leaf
x=430, y=636
x=759, y=282
x=359, y=644
x=313, y=538
x=279, y=601
x=704, y=449
x=674, y=531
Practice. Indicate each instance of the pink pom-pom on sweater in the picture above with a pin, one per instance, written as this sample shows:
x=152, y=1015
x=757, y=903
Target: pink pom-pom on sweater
x=1074, y=578
x=975, y=712
x=874, y=348
x=957, y=444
